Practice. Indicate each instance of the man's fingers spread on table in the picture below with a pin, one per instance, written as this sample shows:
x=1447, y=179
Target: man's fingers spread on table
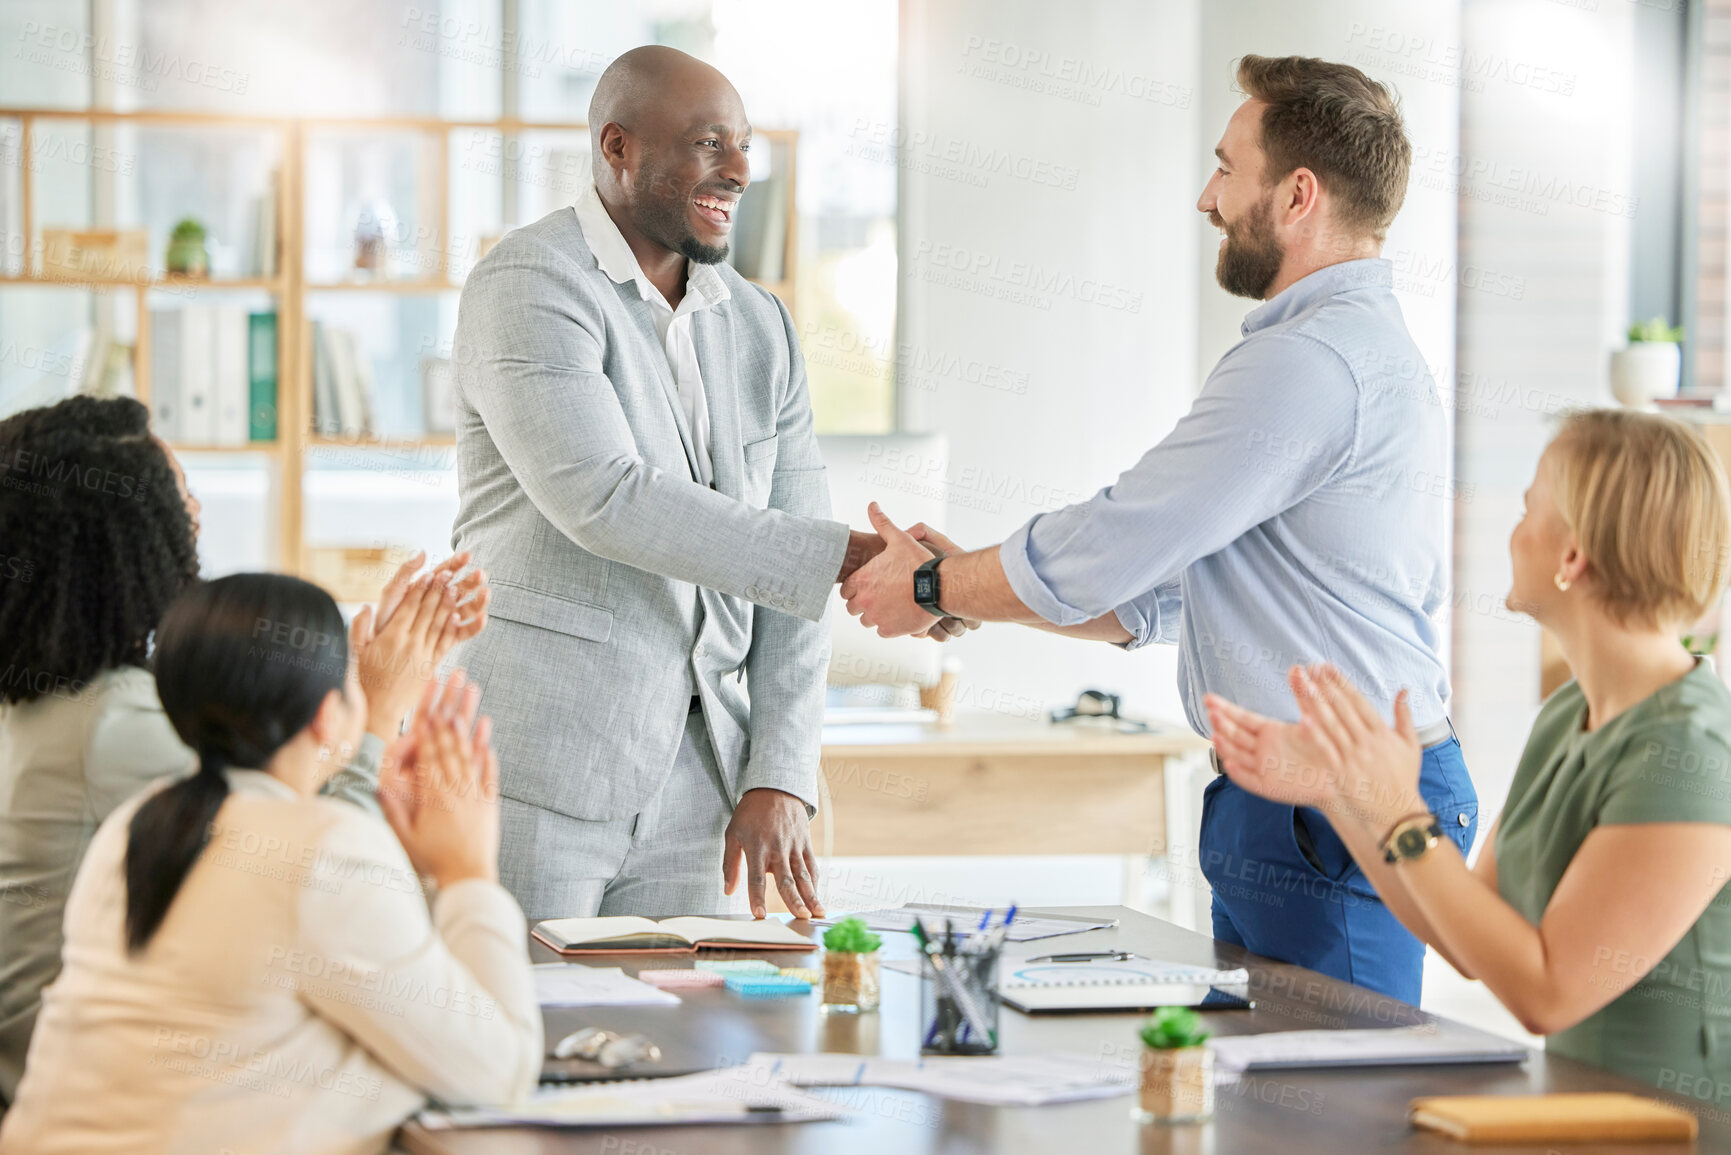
x=730, y=855
x=789, y=888
x=754, y=884
x=805, y=878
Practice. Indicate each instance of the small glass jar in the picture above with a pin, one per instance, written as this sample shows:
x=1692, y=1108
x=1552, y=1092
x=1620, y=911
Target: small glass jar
x=1177, y=1086
x=851, y=982
x=959, y=1003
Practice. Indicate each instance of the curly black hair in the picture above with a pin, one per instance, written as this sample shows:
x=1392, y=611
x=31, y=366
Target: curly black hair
x=95, y=542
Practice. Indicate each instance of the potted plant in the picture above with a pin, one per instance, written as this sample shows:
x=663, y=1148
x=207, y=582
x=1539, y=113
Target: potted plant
x=1177, y=1068
x=851, y=980
x=1650, y=367
x=186, y=253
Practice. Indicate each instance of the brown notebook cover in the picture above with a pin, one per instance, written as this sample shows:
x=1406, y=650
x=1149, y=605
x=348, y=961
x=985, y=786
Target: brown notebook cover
x=1599, y=1117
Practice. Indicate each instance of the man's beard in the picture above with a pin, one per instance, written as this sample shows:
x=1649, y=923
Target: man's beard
x=701, y=253
x=665, y=223
x=1250, y=259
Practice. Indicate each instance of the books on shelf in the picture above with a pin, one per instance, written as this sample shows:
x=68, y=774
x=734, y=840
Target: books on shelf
x=104, y=366
x=438, y=395
x=261, y=376
x=197, y=376
x=342, y=383
x=210, y=375
x=263, y=260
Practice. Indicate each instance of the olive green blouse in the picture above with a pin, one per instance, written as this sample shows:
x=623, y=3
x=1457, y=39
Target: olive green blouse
x=1666, y=759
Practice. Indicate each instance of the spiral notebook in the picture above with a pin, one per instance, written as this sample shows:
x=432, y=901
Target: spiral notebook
x=1131, y=985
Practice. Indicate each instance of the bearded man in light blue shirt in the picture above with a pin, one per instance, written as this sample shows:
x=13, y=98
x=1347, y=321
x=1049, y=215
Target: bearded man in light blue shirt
x=1299, y=512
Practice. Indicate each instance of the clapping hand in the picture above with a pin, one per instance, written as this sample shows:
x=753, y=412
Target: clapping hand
x=439, y=786
x=1340, y=757
x=417, y=623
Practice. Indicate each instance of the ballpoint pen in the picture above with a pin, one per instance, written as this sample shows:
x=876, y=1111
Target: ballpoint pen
x=1085, y=956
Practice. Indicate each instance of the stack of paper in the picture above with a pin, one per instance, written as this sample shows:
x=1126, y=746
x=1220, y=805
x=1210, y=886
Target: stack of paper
x=1439, y=1042
x=1000, y=1081
x=710, y=1097
x=573, y=985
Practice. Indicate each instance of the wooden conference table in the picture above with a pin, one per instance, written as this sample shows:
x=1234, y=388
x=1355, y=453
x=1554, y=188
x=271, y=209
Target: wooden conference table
x=1336, y=1112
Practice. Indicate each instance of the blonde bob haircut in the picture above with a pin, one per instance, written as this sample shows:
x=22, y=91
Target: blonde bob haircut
x=1646, y=498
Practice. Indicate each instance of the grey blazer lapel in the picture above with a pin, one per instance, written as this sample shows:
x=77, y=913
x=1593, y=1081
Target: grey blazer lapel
x=717, y=358
x=644, y=314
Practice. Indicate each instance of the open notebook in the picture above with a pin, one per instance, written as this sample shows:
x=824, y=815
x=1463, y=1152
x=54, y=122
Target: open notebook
x=628, y=934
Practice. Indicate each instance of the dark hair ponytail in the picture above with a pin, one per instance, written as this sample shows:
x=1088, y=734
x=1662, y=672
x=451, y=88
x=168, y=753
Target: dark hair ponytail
x=242, y=666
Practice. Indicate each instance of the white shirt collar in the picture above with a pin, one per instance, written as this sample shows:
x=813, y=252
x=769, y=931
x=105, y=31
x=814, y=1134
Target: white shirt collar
x=615, y=258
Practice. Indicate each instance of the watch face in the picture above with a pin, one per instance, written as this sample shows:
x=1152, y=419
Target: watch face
x=923, y=587
x=1411, y=843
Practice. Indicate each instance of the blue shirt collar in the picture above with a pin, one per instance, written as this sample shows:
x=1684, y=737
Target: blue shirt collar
x=1371, y=272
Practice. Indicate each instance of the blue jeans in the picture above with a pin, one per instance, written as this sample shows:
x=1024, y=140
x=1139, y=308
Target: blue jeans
x=1286, y=887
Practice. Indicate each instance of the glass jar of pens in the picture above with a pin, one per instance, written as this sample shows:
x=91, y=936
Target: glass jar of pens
x=959, y=994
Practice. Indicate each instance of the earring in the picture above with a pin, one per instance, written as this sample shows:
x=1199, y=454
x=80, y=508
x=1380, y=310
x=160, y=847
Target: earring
x=1562, y=582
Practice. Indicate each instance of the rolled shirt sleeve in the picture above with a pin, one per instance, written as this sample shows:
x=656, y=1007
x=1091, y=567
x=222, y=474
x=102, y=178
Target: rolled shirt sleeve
x=1274, y=421
x=1153, y=616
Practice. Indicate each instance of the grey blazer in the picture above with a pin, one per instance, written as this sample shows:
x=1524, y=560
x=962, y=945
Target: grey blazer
x=621, y=585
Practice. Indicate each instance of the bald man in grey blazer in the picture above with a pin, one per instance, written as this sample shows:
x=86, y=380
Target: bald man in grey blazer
x=638, y=474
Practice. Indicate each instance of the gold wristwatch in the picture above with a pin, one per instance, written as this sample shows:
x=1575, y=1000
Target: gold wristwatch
x=1411, y=838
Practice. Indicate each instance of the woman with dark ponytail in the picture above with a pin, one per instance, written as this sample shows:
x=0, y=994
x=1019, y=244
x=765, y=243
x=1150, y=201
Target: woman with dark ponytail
x=250, y=965
x=98, y=534
x=234, y=701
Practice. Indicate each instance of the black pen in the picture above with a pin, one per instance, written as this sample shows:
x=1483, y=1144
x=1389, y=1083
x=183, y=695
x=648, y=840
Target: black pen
x=1086, y=956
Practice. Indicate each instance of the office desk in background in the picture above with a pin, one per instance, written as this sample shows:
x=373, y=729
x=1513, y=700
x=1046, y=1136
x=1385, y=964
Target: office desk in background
x=997, y=784
x=1342, y=1112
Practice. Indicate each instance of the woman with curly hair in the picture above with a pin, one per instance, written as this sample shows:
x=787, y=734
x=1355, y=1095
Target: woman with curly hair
x=98, y=535
x=252, y=967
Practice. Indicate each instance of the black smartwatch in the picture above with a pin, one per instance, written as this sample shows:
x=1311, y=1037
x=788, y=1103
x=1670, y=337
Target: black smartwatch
x=926, y=588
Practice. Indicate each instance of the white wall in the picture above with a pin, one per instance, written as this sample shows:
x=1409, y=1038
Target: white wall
x=1095, y=359
x=1358, y=32
x=1103, y=384
x=1529, y=151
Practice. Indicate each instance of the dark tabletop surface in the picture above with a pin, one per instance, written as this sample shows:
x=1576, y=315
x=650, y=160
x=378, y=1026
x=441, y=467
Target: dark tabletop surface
x=1279, y=1111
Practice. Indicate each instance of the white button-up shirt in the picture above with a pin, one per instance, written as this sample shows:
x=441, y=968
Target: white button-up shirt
x=704, y=289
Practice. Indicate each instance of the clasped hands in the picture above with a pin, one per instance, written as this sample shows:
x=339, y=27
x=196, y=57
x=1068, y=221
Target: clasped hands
x=877, y=580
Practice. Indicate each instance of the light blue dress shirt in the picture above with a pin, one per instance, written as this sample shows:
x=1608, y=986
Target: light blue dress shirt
x=1298, y=513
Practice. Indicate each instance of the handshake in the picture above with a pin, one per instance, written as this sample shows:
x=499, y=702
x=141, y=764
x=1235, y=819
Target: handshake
x=877, y=579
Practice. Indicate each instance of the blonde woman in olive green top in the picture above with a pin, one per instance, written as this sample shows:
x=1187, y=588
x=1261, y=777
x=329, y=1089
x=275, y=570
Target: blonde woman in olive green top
x=1595, y=912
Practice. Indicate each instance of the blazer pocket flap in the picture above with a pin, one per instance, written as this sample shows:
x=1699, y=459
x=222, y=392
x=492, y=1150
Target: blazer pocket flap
x=760, y=450
x=561, y=615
